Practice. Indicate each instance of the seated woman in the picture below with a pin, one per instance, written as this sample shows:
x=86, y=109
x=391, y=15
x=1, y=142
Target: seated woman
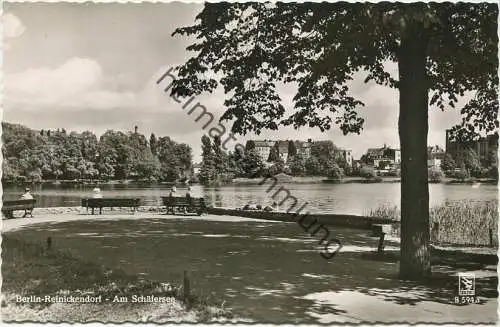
x=188, y=198
x=96, y=193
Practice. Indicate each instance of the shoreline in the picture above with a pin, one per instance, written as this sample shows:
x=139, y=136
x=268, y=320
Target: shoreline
x=254, y=181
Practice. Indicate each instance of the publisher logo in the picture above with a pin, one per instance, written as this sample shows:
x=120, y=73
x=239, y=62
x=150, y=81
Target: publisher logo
x=466, y=284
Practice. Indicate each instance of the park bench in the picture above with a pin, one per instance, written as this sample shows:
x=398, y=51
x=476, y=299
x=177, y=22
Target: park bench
x=8, y=207
x=110, y=203
x=184, y=204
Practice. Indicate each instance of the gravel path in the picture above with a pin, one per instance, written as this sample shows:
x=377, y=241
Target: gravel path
x=56, y=215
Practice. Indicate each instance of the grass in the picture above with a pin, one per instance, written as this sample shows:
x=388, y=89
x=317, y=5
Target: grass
x=461, y=223
x=30, y=268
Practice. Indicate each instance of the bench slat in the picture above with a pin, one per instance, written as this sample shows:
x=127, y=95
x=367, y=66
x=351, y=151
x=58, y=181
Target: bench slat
x=110, y=203
x=8, y=207
x=196, y=204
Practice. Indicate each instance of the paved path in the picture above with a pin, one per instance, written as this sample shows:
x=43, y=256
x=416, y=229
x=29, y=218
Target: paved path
x=18, y=223
x=357, y=307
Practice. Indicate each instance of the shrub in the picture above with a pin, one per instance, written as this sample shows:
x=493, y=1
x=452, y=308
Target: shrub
x=462, y=174
x=336, y=172
x=493, y=173
x=464, y=222
x=435, y=175
x=385, y=212
x=367, y=172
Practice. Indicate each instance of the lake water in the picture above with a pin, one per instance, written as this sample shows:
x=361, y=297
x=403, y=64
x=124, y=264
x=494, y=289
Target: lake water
x=317, y=197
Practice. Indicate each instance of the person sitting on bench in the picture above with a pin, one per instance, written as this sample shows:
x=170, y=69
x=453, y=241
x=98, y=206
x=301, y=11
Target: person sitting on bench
x=171, y=195
x=27, y=195
x=188, y=198
x=96, y=193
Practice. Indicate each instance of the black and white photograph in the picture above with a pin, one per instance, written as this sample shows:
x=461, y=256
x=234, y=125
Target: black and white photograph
x=299, y=163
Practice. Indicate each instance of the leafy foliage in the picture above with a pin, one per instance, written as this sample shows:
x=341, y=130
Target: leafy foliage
x=367, y=172
x=448, y=163
x=436, y=175
x=31, y=156
x=321, y=46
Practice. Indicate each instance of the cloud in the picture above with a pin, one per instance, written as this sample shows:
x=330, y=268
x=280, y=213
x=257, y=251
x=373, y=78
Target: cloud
x=77, y=84
x=12, y=28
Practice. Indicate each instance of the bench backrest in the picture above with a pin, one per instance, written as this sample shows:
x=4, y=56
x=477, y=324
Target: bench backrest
x=110, y=202
x=19, y=204
x=183, y=201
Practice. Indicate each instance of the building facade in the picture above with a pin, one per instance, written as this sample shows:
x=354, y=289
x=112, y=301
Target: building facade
x=435, y=156
x=346, y=154
x=263, y=149
x=376, y=156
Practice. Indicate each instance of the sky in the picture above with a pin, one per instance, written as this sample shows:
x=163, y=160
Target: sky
x=94, y=66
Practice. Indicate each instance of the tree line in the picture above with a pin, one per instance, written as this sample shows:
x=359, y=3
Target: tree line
x=34, y=156
x=219, y=166
x=465, y=163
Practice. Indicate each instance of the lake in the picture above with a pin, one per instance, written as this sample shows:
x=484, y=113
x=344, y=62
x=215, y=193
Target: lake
x=351, y=198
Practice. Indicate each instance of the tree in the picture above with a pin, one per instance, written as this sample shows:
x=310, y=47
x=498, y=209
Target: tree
x=312, y=166
x=435, y=175
x=152, y=143
x=252, y=164
x=367, y=172
x=298, y=165
x=462, y=174
x=448, y=164
x=250, y=145
x=277, y=168
x=441, y=49
x=335, y=172
x=469, y=159
x=208, y=170
x=220, y=158
x=292, y=149
x=273, y=154
x=492, y=159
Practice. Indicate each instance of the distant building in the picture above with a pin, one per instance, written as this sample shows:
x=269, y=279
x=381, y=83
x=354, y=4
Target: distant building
x=374, y=156
x=346, y=154
x=482, y=147
x=282, y=150
x=435, y=156
x=196, y=168
x=263, y=148
x=304, y=148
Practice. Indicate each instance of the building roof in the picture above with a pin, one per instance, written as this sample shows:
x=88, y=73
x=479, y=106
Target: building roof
x=375, y=151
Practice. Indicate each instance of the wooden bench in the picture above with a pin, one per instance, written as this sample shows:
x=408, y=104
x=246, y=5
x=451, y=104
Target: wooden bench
x=8, y=207
x=184, y=204
x=111, y=203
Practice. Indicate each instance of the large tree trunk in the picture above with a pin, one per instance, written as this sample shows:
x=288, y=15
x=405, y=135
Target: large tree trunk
x=413, y=127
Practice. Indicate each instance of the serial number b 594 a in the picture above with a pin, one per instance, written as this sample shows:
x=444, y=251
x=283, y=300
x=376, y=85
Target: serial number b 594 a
x=466, y=299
